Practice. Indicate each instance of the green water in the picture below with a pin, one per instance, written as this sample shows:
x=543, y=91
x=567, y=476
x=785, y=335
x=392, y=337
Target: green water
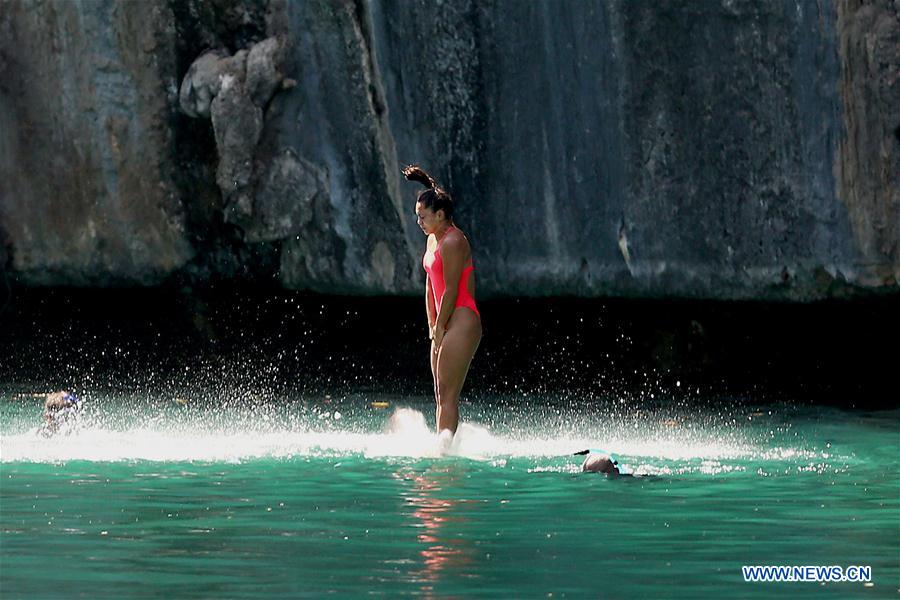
x=153, y=498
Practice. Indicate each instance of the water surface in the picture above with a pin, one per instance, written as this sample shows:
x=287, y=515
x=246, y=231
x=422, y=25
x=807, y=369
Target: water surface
x=304, y=497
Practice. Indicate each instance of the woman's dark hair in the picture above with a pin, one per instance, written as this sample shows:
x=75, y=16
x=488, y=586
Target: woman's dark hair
x=434, y=197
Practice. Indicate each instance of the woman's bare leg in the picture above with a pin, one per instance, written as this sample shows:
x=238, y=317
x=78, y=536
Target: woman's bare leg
x=453, y=360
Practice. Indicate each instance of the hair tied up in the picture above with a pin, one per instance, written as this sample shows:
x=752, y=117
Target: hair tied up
x=433, y=197
x=415, y=173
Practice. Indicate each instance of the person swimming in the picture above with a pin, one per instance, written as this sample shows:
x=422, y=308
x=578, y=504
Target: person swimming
x=601, y=461
x=61, y=410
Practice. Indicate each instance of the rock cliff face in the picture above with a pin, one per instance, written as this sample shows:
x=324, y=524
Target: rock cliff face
x=705, y=149
x=869, y=159
x=87, y=195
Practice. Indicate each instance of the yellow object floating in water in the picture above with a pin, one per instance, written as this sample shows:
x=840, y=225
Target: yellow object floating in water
x=380, y=404
x=181, y=401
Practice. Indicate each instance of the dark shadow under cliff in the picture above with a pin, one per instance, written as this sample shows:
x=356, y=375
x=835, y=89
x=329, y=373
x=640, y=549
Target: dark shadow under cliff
x=215, y=341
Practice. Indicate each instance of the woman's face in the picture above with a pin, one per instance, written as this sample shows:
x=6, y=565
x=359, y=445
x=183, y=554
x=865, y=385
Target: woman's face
x=427, y=219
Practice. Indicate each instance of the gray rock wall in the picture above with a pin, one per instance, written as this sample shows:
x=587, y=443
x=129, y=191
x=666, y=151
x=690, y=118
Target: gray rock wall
x=717, y=149
x=336, y=119
x=869, y=160
x=645, y=148
x=86, y=191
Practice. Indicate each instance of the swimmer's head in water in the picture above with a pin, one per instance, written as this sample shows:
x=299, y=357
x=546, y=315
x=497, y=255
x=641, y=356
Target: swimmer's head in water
x=60, y=406
x=600, y=463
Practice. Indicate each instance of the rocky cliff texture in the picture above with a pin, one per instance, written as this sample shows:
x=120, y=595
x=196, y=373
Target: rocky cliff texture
x=87, y=193
x=703, y=149
x=869, y=163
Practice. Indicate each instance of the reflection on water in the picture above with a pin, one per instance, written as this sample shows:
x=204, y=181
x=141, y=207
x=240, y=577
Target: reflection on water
x=439, y=518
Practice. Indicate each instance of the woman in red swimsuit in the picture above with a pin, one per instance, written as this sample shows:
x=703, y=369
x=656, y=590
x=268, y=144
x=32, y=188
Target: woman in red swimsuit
x=453, y=317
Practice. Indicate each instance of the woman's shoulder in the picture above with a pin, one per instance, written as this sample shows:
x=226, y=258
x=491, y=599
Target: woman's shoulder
x=458, y=234
x=455, y=238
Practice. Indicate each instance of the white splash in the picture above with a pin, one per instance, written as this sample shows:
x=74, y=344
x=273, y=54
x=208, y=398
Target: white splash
x=219, y=436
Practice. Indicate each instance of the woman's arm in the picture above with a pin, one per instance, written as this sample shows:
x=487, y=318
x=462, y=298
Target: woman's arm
x=453, y=253
x=430, y=310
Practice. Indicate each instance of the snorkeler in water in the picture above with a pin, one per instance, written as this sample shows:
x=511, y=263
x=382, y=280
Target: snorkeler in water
x=61, y=410
x=601, y=461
